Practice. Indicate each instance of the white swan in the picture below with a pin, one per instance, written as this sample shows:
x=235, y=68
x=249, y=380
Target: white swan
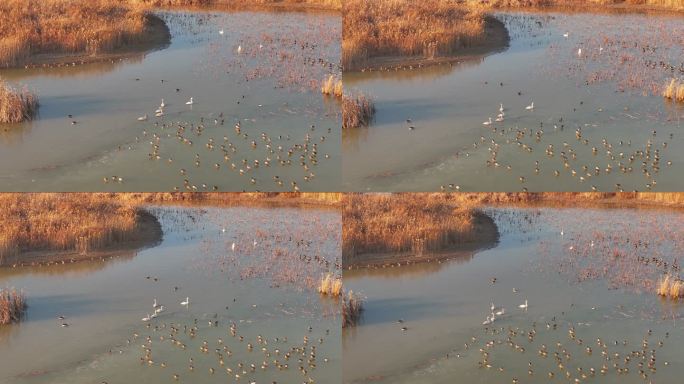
x=500, y=312
x=254, y=244
x=566, y=34
x=221, y=31
x=155, y=305
x=186, y=302
x=530, y=107
x=162, y=105
x=523, y=306
x=190, y=102
x=159, y=310
x=499, y=118
x=488, y=122
x=239, y=50
x=142, y=118
x=488, y=321
x=579, y=52
x=146, y=318
x=232, y=247
x=501, y=107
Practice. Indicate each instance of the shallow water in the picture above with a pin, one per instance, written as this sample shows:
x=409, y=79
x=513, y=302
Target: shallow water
x=599, y=290
x=269, y=87
x=104, y=303
x=610, y=92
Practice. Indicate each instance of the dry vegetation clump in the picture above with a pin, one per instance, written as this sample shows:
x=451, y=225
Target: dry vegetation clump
x=67, y=27
x=415, y=223
x=329, y=4
x=352, y=307
x=671, y=287
x=330, y=285
x=12, y=306
x=16, y=105
x=426, y=28
x=332, y=87
x=656, y=4
x=63, y=222
x=357, y=111
x=674, y=91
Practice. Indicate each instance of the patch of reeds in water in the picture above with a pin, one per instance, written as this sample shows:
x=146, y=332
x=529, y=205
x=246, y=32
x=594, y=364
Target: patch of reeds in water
x=671, y=287
x=352, y=307
x=12, y=306
x=332, y=87
x=357, y=111
x=330, y=285
x=16, y=105
x=674, y=91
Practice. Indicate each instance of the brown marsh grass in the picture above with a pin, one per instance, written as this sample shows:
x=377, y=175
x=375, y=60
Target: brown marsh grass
x=16, y=105
x=330, y=285
x=12, y=306
x=416, y=223
x=650, y=4
x=357, y=111
x=332, y=87
x=426, y=28
x=352, y=307
x=85, y=222
x=62, y=222
x=67, y=27
x=674, y=91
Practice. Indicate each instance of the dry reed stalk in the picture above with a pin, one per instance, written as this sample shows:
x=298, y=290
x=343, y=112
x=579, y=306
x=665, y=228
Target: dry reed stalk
x=16, y=105
x=670, y=287
x=330, y=285
x=352, y=307
x=357, y=111
x=332, y=87
x=12, y=306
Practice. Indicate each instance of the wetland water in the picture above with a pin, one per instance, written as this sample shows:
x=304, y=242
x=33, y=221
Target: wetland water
x=262, y=73
x=263, y=287
x=598, y=108
x=588, y=287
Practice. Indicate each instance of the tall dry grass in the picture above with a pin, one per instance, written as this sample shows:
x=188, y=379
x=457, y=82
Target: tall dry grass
x=332, y=87
x=329, y=4
x=12, y=306
x=16, y=105
x=671, y=287
x=67, y=27
x=330, y=285
x=405, y=222
x=357, y=110
x=425, y=28
x=63, y=222
x=352, y=308
x=674, y=90
x=654, y=4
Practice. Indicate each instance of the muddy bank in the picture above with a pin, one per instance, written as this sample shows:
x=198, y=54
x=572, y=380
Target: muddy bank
x=147, y=233
x=483, y=235
x=495, y=39
x=156, y=33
